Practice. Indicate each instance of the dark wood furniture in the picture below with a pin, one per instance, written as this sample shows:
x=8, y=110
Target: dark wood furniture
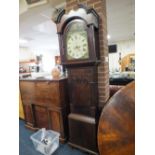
x=83, y=119
x=45, y=104
x=116, y=131
x=114, y=89
x=79, y=51
x=120, y=81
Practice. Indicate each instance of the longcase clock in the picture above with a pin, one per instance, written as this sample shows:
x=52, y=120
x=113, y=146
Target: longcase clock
x=79, y=50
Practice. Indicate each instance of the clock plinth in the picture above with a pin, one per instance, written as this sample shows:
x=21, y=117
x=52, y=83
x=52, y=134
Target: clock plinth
x=83, y=133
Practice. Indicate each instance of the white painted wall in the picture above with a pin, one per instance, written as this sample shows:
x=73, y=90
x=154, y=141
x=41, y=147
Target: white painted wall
x=48, y=59
x=123, y=47
x=25, y=54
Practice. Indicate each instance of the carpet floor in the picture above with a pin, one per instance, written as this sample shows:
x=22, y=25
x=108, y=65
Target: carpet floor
x=26, y=146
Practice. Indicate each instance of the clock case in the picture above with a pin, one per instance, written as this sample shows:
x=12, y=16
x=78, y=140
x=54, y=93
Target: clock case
x=91, y=20
x=82, y=81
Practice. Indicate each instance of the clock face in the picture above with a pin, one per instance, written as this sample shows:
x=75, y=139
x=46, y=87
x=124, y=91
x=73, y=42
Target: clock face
x=77, y=42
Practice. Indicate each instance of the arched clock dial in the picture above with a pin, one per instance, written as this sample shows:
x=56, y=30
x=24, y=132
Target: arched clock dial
x=77, y=42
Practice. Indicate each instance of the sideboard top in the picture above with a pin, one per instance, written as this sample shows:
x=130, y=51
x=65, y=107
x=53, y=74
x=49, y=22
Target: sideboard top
x=48, y=78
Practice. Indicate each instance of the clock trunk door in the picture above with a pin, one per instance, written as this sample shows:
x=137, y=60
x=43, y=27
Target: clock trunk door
x=82, y=84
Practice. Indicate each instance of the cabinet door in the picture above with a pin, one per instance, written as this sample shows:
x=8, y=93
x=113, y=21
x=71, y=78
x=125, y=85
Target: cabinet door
x=40, y=116
x=55, y=120
x=59, y=122
x=28, y=114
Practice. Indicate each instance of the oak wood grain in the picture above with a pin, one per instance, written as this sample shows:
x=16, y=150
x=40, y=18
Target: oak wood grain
x=46, y=105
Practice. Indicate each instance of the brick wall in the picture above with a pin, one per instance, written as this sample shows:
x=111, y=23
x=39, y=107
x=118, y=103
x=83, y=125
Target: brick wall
x=103, y=69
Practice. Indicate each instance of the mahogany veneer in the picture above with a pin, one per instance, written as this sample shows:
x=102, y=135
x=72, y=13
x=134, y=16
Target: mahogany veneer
x=116, y=131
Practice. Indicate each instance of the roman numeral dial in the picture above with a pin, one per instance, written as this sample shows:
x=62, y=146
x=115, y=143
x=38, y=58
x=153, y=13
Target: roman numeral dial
x=77, y=43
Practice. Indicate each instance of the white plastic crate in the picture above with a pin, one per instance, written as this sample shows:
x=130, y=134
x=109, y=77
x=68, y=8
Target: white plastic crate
x=45, y=141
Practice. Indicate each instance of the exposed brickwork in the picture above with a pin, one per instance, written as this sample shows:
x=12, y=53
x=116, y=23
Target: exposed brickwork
x=103, y=69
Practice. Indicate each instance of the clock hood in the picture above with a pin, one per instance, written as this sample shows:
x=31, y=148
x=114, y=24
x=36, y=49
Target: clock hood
x=87, y=14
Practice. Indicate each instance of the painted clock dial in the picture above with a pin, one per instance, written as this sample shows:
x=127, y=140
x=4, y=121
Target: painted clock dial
x=77, y=42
